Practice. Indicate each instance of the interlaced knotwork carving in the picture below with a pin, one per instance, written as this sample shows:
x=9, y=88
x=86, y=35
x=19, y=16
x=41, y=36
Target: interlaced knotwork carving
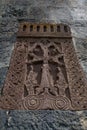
x=76, y=77
x=44, y=72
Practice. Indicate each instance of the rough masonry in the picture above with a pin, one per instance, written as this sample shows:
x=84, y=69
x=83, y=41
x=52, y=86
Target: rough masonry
x=72, y=13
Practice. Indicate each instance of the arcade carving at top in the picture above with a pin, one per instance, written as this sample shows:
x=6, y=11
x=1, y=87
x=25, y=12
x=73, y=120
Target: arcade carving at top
x=43, y=30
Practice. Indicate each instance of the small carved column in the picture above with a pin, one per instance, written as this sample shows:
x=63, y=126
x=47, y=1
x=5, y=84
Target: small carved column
x=31, y=82
x=61, y=83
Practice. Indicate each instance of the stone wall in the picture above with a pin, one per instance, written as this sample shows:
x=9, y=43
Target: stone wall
x=43, y=120
x=71, y=12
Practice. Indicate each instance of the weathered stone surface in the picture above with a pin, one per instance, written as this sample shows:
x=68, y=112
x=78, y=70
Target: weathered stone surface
x=73, y=12
x=44, y=71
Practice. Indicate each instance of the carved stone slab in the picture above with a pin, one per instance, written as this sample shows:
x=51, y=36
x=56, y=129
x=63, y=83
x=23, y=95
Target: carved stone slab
x=44, y=71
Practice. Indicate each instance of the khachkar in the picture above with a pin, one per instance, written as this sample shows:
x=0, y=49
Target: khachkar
x=44, y=71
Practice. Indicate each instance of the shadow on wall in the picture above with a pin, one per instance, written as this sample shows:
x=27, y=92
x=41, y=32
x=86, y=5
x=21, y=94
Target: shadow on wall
x=3, y=72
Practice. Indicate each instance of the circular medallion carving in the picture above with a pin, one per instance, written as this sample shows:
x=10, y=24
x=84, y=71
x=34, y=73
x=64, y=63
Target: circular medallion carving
x=61, y=103
x=31, y=103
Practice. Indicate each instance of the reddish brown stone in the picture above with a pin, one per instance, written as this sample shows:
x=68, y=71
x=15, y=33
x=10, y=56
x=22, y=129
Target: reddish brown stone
x=44, y=71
